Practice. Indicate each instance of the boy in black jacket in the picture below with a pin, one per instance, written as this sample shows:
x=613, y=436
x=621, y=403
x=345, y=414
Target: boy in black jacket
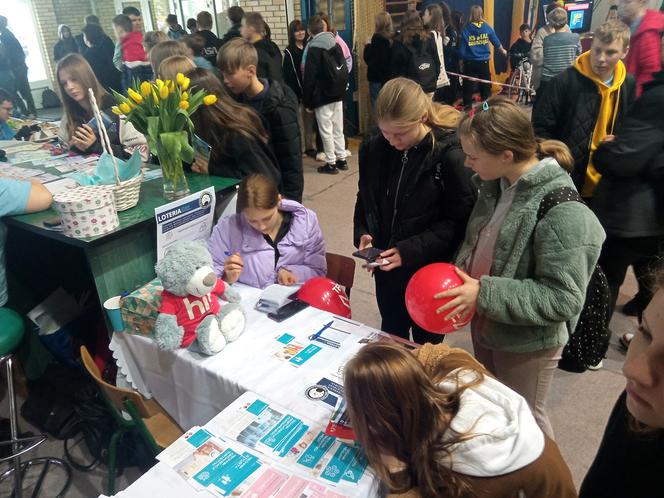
x=274, y=102
x=212, y=43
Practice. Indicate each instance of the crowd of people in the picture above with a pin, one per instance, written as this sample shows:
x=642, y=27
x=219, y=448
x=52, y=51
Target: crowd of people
x=524, y=207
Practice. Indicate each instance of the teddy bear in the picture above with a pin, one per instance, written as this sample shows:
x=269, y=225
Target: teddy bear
x=190, y=310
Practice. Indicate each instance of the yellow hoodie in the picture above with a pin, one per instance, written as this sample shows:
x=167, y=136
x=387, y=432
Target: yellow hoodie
x=606, y=118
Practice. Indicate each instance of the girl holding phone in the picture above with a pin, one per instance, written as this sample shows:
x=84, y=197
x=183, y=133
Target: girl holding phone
x=77, y=127
x=414, y=196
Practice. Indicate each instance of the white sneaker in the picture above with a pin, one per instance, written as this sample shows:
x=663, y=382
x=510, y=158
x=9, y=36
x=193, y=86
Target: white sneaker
x=596, y=367
x=348, y=153
x=320, y=157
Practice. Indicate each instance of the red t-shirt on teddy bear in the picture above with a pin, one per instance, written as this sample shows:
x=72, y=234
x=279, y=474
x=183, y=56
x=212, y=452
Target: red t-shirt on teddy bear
x=190, y=310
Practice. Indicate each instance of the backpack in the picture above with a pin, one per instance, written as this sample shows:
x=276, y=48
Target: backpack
x=589, y=342
x=422, y=68
x=50, y=99
x=334, y=74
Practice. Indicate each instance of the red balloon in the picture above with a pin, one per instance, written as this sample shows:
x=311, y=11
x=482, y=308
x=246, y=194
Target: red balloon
x=421, y=305
x=326, y=295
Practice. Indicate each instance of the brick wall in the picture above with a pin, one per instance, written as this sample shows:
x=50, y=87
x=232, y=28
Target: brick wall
x=160, y=9
x=298, y=9
x=274, y=13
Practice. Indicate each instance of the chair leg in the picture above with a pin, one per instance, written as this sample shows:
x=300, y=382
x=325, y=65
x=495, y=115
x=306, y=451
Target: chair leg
x=112, y=459
x=13, y=424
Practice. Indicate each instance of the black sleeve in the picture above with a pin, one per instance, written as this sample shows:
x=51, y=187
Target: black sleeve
x=433, y=48
x=548, y=114
x=290, y=74
x=368, y=54
x=309, y=78
x=441, y=240
x=360, y=225
x=285, y=139
x=638, y=141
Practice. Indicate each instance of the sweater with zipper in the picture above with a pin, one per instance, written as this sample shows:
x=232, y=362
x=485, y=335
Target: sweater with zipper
x=537, y=284
x=417, y=200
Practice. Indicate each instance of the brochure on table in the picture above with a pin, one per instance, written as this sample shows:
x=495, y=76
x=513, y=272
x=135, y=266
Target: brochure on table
x=189, y=218
x=256, y=448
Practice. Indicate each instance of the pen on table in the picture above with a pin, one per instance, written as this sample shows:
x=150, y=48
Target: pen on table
x=323, y=329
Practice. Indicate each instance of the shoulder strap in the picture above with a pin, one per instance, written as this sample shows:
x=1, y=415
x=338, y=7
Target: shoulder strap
x=555, y=197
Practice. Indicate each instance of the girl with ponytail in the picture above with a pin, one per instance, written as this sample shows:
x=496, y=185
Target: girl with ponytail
x=525, y=274
x=414, y=195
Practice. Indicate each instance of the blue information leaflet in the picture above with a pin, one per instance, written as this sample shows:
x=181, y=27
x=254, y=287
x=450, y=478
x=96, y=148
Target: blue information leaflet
x=356, y=468
x=281, y=431
x=199, y=437
x=236, y=472
x=257, y=407
x=305, y=354
x=288, y=442
x=285, y=338
x=213, y=471
x=339, y=463
x=316, y=450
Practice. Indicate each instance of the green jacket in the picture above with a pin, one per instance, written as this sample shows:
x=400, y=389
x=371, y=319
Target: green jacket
x=540, y=271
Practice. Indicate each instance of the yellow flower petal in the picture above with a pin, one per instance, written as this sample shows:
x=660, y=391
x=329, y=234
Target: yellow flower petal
x=163, y=92
x=184, y=96
x=171, y=86
x=184, y=105
x=146, y=89
x=124, y=107
x=159, y=83
x=185, y=83
x=209, y=99
x=179, y=78
x=116, y=110
x=155, y=98
x=136, y=97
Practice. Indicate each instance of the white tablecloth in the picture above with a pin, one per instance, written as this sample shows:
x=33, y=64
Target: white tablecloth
x=194, y=388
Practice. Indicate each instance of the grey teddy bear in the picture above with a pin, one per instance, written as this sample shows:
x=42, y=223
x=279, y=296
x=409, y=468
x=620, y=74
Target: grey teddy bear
x=190, y=310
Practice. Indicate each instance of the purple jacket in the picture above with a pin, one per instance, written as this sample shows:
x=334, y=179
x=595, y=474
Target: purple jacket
x=302, y=250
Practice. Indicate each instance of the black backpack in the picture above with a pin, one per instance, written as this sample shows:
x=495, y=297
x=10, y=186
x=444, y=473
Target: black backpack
x=50, y=99
x=334, y=72
x=422, y=68
x=589, y=342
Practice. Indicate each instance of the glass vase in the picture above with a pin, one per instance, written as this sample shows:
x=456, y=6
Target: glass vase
x=175, y=183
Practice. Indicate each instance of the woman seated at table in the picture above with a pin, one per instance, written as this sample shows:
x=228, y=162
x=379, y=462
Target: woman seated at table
x=235, y=132
x=270, y=239
x=75, y=76
x=443, y=427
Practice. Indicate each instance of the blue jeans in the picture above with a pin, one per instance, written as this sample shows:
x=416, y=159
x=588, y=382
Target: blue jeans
x=374, y=88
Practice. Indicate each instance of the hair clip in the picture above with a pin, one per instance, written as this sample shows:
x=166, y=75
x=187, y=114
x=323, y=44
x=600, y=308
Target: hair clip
x=485, y=106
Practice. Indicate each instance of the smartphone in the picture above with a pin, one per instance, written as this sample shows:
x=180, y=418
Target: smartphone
x=368, y=254
x=104, y=117
x=201, y=147
x=288, y=310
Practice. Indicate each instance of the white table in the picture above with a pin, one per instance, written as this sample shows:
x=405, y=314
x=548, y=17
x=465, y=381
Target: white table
x=193, y=388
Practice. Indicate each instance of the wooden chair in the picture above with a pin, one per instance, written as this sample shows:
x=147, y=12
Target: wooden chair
x=341, y=269
x=147, y=418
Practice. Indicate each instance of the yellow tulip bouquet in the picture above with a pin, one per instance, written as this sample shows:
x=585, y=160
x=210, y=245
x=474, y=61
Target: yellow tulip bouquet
x=161, y=111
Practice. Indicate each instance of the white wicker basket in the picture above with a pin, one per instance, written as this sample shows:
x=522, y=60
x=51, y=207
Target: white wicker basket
x=126, y=193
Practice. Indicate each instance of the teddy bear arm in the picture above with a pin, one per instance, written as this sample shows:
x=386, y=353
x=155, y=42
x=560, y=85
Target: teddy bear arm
x=231, y=295
x=168, y=333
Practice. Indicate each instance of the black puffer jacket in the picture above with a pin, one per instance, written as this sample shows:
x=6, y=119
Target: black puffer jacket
x=233, y=32
x=241, y=156
x=567, y=111
x=433, y=198
x=629, y=199
x=269, y=60
x=278, y=110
